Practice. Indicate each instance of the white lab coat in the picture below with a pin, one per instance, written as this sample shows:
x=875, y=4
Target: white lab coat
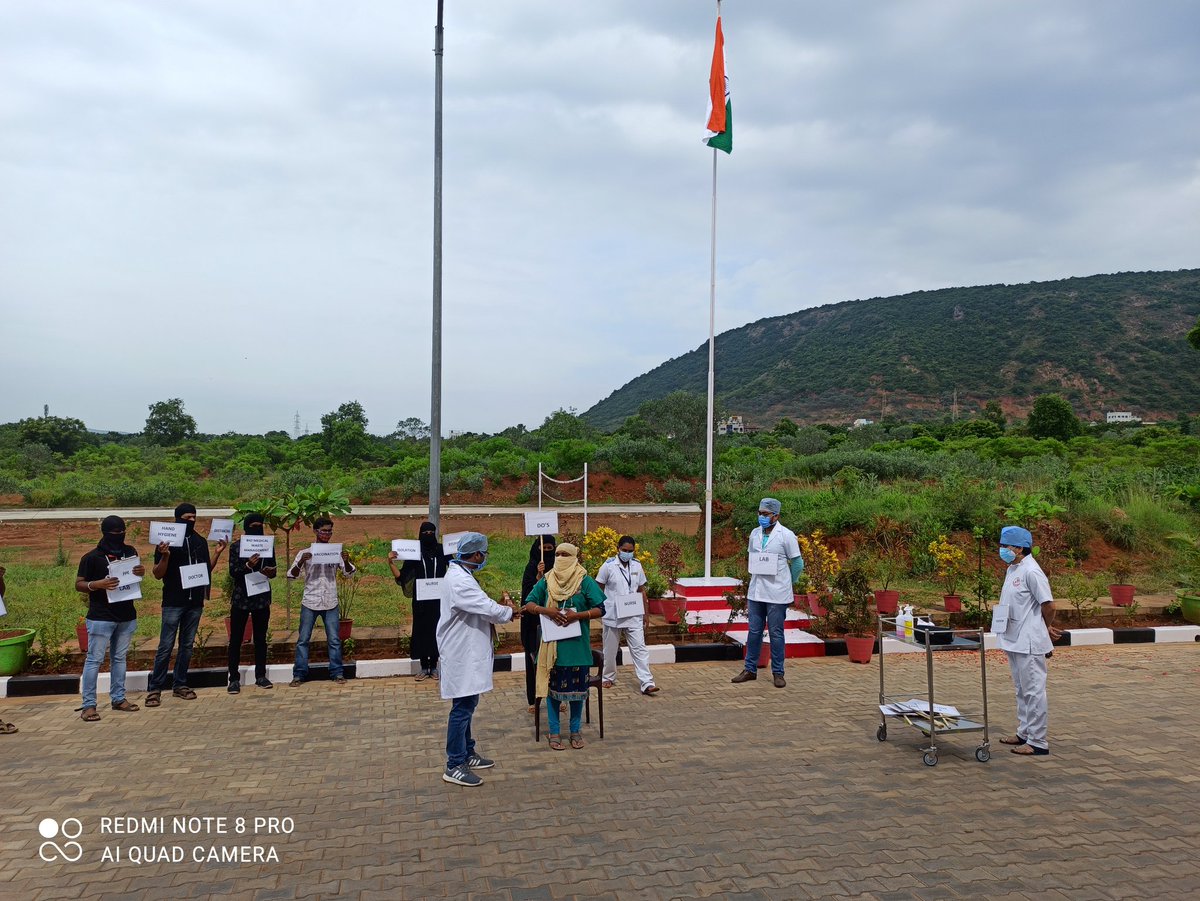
x=464, y=634
x=776, y=589
x=1026, y=588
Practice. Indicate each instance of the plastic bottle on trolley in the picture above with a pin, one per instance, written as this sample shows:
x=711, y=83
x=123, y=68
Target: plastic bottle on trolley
x=905, y=616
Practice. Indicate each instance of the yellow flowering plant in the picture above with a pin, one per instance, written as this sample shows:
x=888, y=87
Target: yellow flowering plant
x=600, y=544
x=821, y=563
x=950, y=560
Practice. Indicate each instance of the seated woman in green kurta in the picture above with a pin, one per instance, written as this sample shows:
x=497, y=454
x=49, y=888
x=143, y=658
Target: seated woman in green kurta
x=566, y=594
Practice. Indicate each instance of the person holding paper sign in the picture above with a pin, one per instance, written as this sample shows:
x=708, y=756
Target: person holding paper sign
x=622, y=577
x=464, y=637
x=770, y=591
x=541, y=561
x=425, y=610
x=110, y=625
x=186, y=573
x=251, y=599
x=1022, y=622
x=566, y=595
x=320, y=600
x=8, y=728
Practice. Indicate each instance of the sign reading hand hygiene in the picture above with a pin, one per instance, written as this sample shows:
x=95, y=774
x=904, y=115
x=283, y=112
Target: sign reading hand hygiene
x=541, y=522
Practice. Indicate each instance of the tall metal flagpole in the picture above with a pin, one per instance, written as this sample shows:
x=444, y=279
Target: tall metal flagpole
x=435, y=413
x=712, y=345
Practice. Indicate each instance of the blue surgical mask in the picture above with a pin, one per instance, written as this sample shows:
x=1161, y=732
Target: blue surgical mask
x=764, y=521
x=625, y=556
x=474, y=567
x=1007, y=554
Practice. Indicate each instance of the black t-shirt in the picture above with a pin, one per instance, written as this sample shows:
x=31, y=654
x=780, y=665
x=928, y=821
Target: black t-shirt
x=193, y=550
x=238, y=567
x=93, y=567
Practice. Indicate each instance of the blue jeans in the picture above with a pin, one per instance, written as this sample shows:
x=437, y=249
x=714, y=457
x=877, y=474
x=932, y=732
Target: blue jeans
x=101, y=635
x=175, y=620
x=308, y=619
x=459, y=744
x=553, y=723
x=774, y=614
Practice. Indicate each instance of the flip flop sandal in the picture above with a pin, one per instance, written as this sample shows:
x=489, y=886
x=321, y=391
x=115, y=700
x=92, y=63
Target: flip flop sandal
x=1030, y=751
x=7, y=728
x=126, y=707
x=650, y=690
x=154, y=699
x=1014, y=740
x=608, y=683
x=556, y=743
x=90, y=715
x=576, y=741
x=185, y=693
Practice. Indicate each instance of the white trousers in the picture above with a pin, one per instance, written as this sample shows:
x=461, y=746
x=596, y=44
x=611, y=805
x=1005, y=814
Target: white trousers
x=1033, y=709
x=635, y=641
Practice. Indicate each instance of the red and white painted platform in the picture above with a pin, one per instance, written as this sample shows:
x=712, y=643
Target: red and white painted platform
x=709, y=611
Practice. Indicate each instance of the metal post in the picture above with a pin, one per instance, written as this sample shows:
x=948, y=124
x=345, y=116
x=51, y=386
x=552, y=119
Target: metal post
x=712, y=343
x=435, y=413
x=585, y=481
x=539, y=486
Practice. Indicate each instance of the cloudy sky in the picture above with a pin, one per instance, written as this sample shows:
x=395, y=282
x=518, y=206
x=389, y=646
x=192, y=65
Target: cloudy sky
x=231, y=202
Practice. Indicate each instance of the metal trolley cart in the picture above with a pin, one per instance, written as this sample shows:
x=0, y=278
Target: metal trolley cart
x=927, y=720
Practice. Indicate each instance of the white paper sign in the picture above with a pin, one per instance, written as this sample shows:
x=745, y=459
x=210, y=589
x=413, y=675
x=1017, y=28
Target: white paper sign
x=406, y=549
x=450, y=542
x=429, y=589
x=221, y=529
x=764, y=563
x=256, y=583
x=130, y=592
x=170, y=532
x=627, y=605
x=123, y=571
x=194, y=576
x=325, y=553
x=541, y=522
x=249, y=545
x=3, y=609
x=551, y=631
x=1000, y=619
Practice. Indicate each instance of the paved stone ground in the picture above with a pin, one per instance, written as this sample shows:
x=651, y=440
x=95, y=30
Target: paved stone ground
x=709, y=790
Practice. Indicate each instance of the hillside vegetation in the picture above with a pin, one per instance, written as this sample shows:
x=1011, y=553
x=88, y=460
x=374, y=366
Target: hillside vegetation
x=1103, y=342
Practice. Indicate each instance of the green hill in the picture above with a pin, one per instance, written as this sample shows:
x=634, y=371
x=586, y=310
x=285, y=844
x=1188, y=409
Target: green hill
x=1105, y=342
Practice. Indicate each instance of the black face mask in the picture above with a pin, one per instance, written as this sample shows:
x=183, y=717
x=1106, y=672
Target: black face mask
x=253, y=527
x=112, y=542
x=191, y=525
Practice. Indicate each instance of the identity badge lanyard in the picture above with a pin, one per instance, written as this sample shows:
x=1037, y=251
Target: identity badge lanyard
x=628, y=576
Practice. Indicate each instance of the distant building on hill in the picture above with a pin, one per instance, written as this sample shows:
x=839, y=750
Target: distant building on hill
x=1120, y=416
x=733, y=425
x=860, y=423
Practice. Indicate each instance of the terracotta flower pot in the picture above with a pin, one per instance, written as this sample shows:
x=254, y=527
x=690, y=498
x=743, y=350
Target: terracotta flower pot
x=1122, y=595
x=81, y=635
x=859, y=648
x=673, y=609
x=247, y=633
x=815, y=604
x=655, y=606
x=344, y=627
x=953, y=603
x=887, y=600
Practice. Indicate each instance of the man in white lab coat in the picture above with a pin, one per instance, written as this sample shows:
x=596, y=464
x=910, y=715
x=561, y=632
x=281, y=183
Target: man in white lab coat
x=464, y=640
x=1022, y=624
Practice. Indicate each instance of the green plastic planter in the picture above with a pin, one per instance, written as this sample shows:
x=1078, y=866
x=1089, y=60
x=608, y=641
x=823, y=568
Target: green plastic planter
x=1191, y=607
x=15, y=651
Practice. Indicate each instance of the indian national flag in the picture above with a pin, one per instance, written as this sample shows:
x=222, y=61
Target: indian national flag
x=720, y=109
